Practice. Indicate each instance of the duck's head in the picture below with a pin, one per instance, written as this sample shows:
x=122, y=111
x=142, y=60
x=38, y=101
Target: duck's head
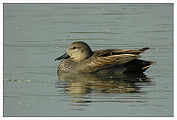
x=77, y=51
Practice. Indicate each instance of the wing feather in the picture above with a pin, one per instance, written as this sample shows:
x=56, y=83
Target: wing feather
x=110, y=52
x=103, y=59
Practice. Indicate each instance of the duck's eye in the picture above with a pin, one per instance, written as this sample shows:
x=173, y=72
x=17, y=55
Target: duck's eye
x=74, y=47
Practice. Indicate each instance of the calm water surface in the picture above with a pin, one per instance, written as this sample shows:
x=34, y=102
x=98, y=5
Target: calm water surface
x=35, y=34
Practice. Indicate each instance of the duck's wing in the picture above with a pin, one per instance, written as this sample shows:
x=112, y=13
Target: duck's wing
x=113, y=57
x=103, y=59
x=109, y=52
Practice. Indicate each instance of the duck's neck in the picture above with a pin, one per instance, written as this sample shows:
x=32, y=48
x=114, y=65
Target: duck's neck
x=82, y=56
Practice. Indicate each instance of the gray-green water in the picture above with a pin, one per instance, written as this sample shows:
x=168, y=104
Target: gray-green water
x=35, y=34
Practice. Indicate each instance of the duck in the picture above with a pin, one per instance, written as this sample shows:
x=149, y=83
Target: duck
x=79, y=58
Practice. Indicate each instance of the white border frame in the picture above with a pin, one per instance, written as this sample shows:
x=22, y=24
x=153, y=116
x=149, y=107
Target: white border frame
x=84, y=1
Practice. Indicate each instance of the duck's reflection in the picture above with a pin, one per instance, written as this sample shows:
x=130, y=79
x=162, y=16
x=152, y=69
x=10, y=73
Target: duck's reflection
x=78, y=84
x=83, y=89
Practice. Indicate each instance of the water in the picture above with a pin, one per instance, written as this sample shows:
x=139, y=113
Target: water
x=35, y=34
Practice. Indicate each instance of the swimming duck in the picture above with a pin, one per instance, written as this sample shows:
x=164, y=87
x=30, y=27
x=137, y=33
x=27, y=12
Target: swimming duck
x=79, y=58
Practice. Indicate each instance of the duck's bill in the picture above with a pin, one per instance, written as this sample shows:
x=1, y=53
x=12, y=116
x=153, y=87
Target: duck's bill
x=65, y=56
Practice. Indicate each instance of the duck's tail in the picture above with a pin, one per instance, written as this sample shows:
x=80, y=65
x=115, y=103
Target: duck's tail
x=138, y=66
x=144, y=49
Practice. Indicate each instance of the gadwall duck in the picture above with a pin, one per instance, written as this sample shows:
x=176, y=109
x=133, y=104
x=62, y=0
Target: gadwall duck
x=79, y=58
